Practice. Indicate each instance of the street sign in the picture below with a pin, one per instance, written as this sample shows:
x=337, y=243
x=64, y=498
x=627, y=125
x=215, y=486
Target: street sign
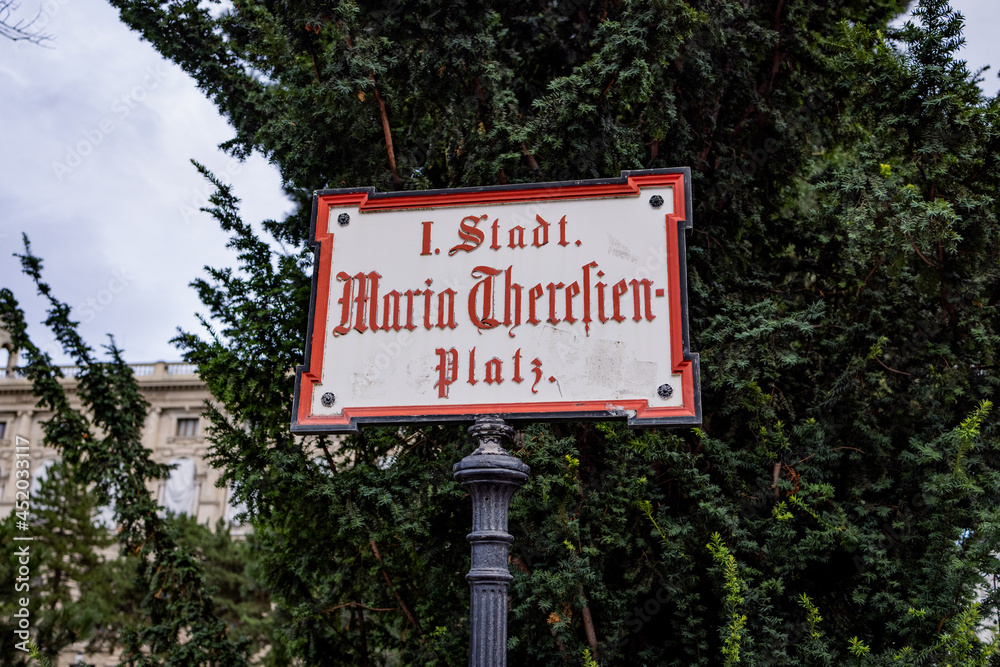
x=535, y=302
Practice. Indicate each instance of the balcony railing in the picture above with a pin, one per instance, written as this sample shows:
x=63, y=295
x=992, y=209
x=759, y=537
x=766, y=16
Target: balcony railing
x=159, y=369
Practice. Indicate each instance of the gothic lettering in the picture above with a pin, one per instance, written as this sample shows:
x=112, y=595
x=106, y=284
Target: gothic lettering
x=447, y=369
x=469, y=232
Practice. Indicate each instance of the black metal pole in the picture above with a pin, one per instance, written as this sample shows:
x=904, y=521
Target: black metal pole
x=492, y=476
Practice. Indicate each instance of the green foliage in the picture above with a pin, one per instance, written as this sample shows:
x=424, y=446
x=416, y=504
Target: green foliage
x=734, y=587
x=844, y=293
x=36, y=654
x=82, y=589
x=858, y=648
x=10, y=603
x=101, y=444
x=844, y=297
x=77, y=590
x=239, y=598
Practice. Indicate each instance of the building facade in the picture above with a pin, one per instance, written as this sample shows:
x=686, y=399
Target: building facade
x=174, y=432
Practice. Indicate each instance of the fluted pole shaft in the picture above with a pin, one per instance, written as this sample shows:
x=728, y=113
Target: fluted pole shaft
x=492, y=476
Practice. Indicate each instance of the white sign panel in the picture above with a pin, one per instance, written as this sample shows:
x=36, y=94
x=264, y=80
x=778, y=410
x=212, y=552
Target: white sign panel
x=535, y=302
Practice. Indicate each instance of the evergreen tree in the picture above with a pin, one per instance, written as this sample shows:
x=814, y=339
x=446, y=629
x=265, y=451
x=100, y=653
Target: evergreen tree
x=239, y=598
x=839, y=504
x=10, y=604
x=74, y=579
x=101, y=444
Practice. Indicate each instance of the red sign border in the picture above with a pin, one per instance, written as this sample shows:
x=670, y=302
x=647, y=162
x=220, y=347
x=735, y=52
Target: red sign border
x=638, y=412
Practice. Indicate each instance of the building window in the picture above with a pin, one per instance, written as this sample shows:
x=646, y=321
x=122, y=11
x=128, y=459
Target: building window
x=3, y=430
x=187, y=428
x=181, y=490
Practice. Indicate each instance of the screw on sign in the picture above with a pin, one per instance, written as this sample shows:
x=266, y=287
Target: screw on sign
x=532, y=302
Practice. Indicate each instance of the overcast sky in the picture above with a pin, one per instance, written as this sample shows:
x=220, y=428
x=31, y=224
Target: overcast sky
x=98, y=134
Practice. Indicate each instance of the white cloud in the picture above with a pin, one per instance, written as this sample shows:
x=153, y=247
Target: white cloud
x=102, y=131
